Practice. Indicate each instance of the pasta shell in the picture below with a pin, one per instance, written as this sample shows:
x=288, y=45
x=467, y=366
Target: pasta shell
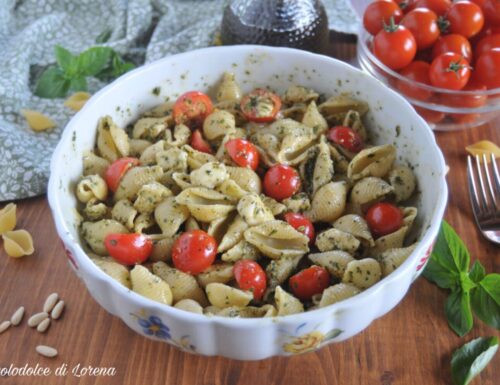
x=230, y=188
x=95, y=232
x=353, y=121
x=170, y=215
x=210, y=175
x=313, y=118
x=233, y=235
x=334, y=261
x=273, y=205
x=8, y=218
x=253, y=211
x=218, y=272
x=191, y=224
x=286, y=303
x=149, y=155
x=37, y=121
x=297, y=203
x=125, y=213
x=218, y=228
x=334, y=239
x=149, y=196
x=189, y=305
x=93, y=164
x=148, y=128
x=137, y=147
x=17, y=243
x=223, y=296
x=162, y=248
x=403, y=182
x=134, y=179
x=182, y=180
x=112, y=141
x=318, y=169
x=228, y=90
x=246, y=178
x=390, y=241
x=242, y=250
x=204, y=204
x=218, y=124
x=181, y=136
x=77, y=100
x=196, y=159
x=362, y=273
x=369, y=190
x=374, y=161
x=329, y=202
x=340, y=161
x=143, y=222
x=248, y=311
x=299, y=94
x=150, y=286
x=337, y=293
x=295, y=112
x=484, y=147
x=409, y=215
x=92, y=187
x=339, y=105
x=391, y=259
x=277, y=239
x=95, y=210
x=295, y=148
x=355, y=225
x=279, y=270
x=115, y=270
x=161, y=110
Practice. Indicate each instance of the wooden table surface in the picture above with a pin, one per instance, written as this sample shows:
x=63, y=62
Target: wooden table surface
x=411, y=345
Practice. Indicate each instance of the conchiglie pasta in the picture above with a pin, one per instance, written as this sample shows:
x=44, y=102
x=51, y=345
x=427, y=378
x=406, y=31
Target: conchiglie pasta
x=124, y=212
x=91, y=187
x=8, y=218
x=391, y=259
x=286, y=303
x=374, y=161
x=362, y=273
x=134, y=179
x=189, y=305
x=253, y=211
x=115, y=270
x=210, y=175
x=329, y=202
x=93, y=164
x=228, y=90
x=219, y=273
x=223, y=296
x=337, y=293
x=150, y=286
x=170, y=215
x=95, y=232
x=149, y=196
x=205, y=204
x=112, y=141
x=403, y=182
x=18, y=243
x=218, y=124
x=335, y=261
x=334, y=239
x=369, y=190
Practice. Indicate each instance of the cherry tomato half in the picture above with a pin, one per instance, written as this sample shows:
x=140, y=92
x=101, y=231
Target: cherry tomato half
x=260, y=106
x=243, y=153
x=450, y=71
x=194, y=251
x=192, y=108
x=300, y=223
x=452, y=43
x=417, y=71
x=346, y=137
x=395, y=46
x=487, y=43
x=378, y=13
x=281, y=182
x=198, y=143
x=250, y=276
x=422, y=23
x=309, y=282
x=466, y=18
x=491, y=9
x=128, y=249
x=384, y=218
x=439, y=7
x=116, y=170
x=488, y=68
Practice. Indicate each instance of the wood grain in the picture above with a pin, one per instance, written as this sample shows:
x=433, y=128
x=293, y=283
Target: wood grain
x=410, y=345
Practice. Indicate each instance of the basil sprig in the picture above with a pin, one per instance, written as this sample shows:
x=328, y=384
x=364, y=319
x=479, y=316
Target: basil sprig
x=471, y=290
x=71, y=71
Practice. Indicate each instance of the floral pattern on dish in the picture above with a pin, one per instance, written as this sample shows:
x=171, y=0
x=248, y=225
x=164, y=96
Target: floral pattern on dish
x=306, y=342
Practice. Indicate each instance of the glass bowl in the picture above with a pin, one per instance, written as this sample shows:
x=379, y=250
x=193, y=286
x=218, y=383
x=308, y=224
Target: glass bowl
x=444, y=110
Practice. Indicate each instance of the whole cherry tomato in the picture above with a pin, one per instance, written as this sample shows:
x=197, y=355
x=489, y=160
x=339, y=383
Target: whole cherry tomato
x=450, y=71
x=192, y=108
x=378, y=13
x=394, y=46
x=418, y=72
x=309, y=282
x=487, y=43
x=488, y=68
x=452, y=43
x=116, y=170
x=467, y=101
x=198, y=143
x=250, y=276
x=465, y=18
x=384, y=218
x=346, y=137
x=281, y=182
x=243, y=153
x=300, y=223
x=430, y=116
x=423, y=24
x=194, y=251
x=260, y=106
x=439, y=7
x=491, y=9
x=128, y=249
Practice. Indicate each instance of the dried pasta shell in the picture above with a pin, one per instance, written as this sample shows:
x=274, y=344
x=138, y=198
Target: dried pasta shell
x=355, y=225
x=391, y=259
x=218, y=272
x=230, y=188
x=337, y=293
x=286, y=303
x=374, y=161
x=403, y=182
x=329, y=202
x=8, y=218
x=17, y=243
x=95, y=232
x=484, y=147
x=150, y=286
x=253, y=211
x=362, y=273
x=37, y=121
x=77, y=100
x=334, y=239
x=334, y=261
x=223, y=296
x=204, y=204
x=114, y=269
x=277, y=239
x=189, y=305
x=170, y=215
x=369, y=190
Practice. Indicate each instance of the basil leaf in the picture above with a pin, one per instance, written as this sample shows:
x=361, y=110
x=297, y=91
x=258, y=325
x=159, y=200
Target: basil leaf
x=78, y=84
x=466, y=283
x=65, y=59
x=103, y=37
x=450, y=249
x=93, y=60
x=477, y=272
x=437, y=272
x=458, y=311
x=468, y=361
x=52, y=84
x=485, y=299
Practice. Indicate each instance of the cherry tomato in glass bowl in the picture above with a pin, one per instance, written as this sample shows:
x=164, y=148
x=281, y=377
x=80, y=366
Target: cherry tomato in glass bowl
x=194, y=251
x=430, y=116
x=488, y=68
x=301, y=223
x=309, y=282
x=467, y=101
x=439, y=7
x=423, y=24
x=198, y=143
x=491, y=9
x=243, y=153
x=128, y=249
x=346, y=137
x=450, y=71
x=384, y=218
x=250, y=276
x=465, y=18
x=378, y=13
x=281, y=182
x=418, y=72
x=395, y=46
x=116, y=170
x=192, y=108
x=260, y=106
x=452, y=43
x=487, y=43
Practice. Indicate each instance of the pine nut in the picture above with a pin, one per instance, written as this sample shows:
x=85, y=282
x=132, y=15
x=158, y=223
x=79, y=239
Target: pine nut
x=35, y=319
x=17, y=317
x=46, y=351
x=57, y=310
x=50, y=302
x=4, y=326
x=43, y=326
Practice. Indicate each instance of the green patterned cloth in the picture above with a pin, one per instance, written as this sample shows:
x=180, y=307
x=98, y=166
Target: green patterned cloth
x=142, y=30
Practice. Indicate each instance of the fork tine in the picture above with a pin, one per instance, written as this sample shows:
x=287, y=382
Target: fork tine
x=484, y=201
x=493, y=207
x=496, y=177
x=472, y=187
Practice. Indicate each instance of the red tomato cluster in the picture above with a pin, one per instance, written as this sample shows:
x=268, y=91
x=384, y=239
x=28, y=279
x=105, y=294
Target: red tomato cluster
x=454, y=45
